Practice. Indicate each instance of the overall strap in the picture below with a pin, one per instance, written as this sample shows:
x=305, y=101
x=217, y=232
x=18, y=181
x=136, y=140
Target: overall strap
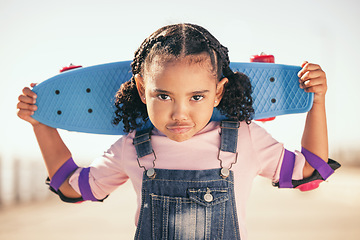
x=143, y=147
x=229, y=135
x=142, y=143
x=228, y=143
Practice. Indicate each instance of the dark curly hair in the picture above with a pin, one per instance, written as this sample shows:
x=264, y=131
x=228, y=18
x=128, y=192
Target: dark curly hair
x=178, y=41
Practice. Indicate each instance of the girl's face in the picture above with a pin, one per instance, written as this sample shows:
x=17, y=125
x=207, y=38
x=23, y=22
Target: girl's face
x=180, y=97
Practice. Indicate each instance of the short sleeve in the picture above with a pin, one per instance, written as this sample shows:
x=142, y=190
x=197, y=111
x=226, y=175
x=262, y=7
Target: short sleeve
x=105, y=173
x=270, y=153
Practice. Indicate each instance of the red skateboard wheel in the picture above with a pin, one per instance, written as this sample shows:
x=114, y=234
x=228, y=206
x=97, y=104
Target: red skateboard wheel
x=70, y=67
x=263, y=58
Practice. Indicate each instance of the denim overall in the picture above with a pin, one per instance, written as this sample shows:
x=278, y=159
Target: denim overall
x=188, y=204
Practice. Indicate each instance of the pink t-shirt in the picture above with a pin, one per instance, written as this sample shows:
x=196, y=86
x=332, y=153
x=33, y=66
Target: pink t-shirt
x=258, y=154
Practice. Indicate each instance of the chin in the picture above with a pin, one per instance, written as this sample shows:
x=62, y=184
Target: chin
x=179, y=138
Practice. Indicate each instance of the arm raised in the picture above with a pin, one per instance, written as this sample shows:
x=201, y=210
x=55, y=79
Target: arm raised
x=53, y=149
x=315, y=136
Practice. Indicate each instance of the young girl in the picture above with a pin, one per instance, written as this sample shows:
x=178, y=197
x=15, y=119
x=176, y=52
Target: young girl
x=192, y=176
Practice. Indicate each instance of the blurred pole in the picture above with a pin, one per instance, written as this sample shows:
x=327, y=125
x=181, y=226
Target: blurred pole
x=16, y=180
x=37, y=182
x=1, y=182
x=33, y=181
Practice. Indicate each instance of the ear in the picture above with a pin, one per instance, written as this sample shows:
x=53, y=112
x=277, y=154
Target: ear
x=220, y=89
x=140, y=87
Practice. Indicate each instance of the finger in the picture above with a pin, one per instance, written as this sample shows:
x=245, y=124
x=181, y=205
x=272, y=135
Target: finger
x=312, y=74
x=318, y=89
x=33, y=85
x=303, y=64
x=25, y=106
x=307, y=67
x=311, y=66
x=25, y=114
x=27, y=99
x=28, y=92
x=312, y=82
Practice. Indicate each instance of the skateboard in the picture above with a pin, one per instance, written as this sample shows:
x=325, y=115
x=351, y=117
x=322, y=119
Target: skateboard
x=82, y=99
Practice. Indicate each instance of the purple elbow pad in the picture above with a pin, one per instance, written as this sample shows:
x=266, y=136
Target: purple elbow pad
x=84, y=185
x=62, y=174
x=322, y=171
x=287, y=169
x=316, y=162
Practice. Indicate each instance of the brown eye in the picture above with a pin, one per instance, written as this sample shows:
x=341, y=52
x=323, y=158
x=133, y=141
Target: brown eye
x=197, y=98
x=163, y=97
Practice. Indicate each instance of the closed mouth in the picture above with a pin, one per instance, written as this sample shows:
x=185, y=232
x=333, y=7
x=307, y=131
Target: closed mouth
x=179, y=129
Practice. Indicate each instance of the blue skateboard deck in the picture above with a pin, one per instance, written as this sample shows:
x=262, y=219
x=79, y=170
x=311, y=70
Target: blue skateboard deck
x=82, y=99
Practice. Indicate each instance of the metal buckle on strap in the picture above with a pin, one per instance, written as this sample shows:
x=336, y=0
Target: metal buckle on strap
x=151, y=171
x=225, y=172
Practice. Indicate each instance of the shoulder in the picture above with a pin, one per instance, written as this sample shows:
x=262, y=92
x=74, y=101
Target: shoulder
x=254, y=134
x=122, y=143
x=255, y=130
x=249, y=130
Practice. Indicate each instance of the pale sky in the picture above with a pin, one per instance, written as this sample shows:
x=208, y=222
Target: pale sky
x=40, y=37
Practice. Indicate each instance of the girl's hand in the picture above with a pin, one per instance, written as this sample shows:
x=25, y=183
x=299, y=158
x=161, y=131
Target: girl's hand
x=27, y=105
x=313, y=79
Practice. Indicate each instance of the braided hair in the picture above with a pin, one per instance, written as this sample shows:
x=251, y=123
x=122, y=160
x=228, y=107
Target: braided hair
x=176, y=42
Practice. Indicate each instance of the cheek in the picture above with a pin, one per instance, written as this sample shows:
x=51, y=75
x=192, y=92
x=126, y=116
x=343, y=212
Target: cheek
x=206, y=109
x=156, y=111
x=202, y=112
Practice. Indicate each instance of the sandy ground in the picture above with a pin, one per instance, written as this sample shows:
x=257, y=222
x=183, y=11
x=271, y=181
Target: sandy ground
x=330, y=212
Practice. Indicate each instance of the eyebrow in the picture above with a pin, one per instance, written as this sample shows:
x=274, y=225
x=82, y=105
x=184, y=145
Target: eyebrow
x=192, y=93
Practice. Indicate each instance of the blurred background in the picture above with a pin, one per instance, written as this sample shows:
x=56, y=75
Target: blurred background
x=39, y=37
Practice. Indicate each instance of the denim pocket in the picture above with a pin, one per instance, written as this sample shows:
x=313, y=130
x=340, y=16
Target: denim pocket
x=199, y=215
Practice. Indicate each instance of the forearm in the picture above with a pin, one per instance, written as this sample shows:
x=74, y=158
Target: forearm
x=55, y=154
x=53, y=149
x=315, y=136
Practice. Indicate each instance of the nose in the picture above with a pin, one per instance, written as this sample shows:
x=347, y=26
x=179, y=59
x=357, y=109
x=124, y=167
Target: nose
x=180, y=112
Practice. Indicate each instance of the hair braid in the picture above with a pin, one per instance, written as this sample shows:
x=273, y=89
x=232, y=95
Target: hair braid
x=238, y=90
x=129, y=107
x=142, y=52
